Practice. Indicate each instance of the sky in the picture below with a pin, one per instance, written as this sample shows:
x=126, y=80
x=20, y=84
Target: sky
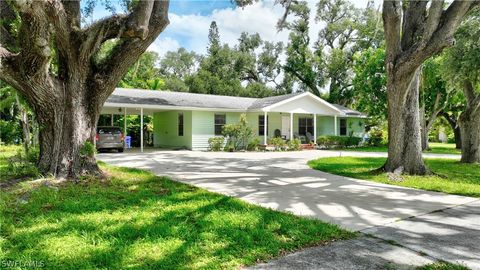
x=190, y=21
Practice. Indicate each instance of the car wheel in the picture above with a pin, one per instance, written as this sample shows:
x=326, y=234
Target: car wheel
x=120, y=150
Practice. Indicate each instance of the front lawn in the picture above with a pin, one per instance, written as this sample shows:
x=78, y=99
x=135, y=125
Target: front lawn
x=435, y=148
x=453, y=177
x=136, y=220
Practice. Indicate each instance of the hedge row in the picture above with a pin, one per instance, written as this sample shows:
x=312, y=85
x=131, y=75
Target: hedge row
x=338, y=141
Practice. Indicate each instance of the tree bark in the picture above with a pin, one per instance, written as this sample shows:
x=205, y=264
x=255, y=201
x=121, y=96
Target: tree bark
x=66, y=128
x=67, y=103
x=469, y=123
x=405, y=148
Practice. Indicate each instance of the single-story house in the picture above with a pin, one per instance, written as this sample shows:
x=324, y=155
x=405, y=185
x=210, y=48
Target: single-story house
x=188, y=120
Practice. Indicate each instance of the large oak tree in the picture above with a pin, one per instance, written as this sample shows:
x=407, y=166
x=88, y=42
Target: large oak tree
x=67, y=100
x=414, y=31
x=462, y=68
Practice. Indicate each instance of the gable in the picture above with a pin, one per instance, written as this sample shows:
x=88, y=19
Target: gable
x=306, y=103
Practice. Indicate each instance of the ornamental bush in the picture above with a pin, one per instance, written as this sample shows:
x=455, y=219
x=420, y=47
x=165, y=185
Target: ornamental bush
x=278, y=143
x=294, y=145
x=338, y=141
x=216, y=143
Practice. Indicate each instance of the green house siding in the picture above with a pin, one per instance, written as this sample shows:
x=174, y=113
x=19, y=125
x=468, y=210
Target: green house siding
x=356, y=127
x=199, y=127
x=203, y=126
x=165, y=127
x=326, y=125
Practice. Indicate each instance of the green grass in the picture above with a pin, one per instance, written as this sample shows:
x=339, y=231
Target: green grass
x=452, y=177
x=442, y=266
x=136, y=220
x=14, y=163
x=435, y=148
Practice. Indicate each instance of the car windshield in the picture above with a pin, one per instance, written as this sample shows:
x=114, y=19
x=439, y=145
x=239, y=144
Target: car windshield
x=107, y=130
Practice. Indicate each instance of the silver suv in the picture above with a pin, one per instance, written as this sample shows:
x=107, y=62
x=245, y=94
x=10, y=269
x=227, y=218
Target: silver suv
x=109, y=138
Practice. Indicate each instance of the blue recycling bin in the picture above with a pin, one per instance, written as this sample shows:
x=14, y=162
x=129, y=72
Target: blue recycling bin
x=128, y=141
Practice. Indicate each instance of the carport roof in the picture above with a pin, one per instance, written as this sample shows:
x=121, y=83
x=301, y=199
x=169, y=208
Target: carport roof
x=192, y=100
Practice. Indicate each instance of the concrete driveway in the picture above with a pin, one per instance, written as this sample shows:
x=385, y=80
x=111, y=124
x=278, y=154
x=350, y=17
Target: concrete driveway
x=440, y=225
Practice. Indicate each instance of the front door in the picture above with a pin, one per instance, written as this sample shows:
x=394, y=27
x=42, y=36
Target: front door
x=286, y=126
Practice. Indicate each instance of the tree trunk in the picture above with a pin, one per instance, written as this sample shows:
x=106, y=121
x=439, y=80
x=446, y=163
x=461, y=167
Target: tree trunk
x=424, y=128
x=456, y=129
x=457, y=134
x=470, y=129
x=66, y=127
x=405, y=147
x=25, y=124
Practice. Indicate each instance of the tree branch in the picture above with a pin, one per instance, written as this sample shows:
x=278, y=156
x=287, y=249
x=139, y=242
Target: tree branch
x=138, y=21
x=433, y=19
x=60, y=21
x=441, y=37
x=413, y=22
x=128, y=50
x=392, y=18
x=72, y=8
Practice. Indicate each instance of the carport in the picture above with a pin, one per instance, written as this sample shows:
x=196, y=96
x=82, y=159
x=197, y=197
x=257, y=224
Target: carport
x=114, y=109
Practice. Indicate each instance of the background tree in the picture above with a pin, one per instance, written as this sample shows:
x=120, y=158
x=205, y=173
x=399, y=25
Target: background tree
x=434, y=96
x=337, y=38
x=67, y=100
x=305, y=65
x=176, y=67
x=414, y=31
x=462, y=66
x=369, y=83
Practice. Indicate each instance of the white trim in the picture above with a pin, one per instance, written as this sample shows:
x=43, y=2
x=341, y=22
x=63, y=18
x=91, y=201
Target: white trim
x=268, y=108
x=291, y=126
x=141, y=130
x=335, y=125
x=315, y=128
x=265, y=128
x=124, y=122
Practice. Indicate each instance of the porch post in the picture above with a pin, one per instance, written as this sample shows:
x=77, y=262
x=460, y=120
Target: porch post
x=124, y=121
x=111, y=120
x=314, y=128
x=265, y=128
x=335, y=125
x=141, y=130
x=291, y=126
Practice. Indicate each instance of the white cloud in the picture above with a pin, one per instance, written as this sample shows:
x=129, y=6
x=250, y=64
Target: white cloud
x=163, y=45
x=191, y=31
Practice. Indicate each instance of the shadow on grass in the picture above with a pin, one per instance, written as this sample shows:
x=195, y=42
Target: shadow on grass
x=140, y=221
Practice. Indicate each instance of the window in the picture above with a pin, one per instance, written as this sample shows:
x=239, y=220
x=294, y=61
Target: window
x=305, y=125
x=220, y=121
x=343, y=127
x=180, y=124
x=261, y=125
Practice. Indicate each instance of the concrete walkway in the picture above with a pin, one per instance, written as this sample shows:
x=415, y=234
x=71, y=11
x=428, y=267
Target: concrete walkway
x=440, y=225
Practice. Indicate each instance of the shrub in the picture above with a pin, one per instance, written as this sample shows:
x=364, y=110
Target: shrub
x=238, y=135
x=278, y=143
x=216, y=143
x=375, y=137
x=338, y=141
x=294, y=145
x=87, y=150
x=253, y=144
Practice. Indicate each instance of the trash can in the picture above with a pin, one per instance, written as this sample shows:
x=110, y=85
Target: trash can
x=128, y=141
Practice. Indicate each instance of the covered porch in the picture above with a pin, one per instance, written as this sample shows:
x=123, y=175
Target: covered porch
x=303, y=117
